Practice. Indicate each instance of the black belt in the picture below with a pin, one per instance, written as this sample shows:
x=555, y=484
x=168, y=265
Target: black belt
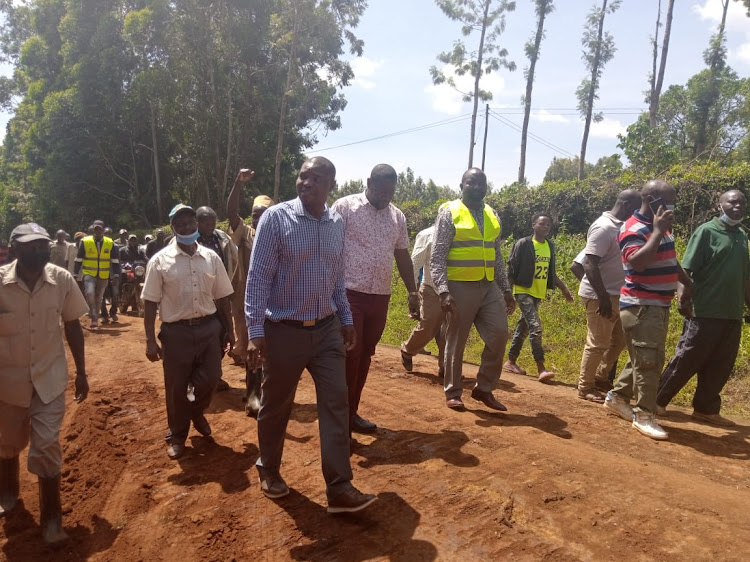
x=308, y=323
x=193, y=321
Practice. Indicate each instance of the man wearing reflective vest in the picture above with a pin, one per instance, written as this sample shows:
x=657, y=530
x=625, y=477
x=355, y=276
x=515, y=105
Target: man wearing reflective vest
x=95, y=258
x=468, y=270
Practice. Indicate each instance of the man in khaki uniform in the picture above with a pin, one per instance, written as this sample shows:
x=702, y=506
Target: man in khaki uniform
x=35, y=296
x=243, y=236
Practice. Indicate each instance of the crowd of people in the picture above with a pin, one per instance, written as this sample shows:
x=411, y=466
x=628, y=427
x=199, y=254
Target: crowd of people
x=306, y=286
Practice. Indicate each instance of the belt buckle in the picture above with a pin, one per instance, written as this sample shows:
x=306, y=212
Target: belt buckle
x=194, y=321
x=308, y=323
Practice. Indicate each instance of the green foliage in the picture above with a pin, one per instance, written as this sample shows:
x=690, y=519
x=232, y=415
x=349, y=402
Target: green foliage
x=113, y=95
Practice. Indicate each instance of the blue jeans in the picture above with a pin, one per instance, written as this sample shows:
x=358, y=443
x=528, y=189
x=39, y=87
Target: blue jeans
x=528, y=324
x=93, y=288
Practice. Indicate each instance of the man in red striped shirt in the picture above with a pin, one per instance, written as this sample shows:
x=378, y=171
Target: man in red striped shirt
x=651, y=275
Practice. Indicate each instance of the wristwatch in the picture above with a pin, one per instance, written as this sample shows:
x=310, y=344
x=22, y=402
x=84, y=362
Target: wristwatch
x=413, y=293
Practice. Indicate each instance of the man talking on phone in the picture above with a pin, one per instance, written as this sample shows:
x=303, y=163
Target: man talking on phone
x=651, y=277
x=36, y=297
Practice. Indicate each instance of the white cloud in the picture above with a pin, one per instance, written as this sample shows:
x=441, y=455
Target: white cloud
x=446, y=99
x=364, y=70
x=546, y=117
x=737, y=22
x=607, y=129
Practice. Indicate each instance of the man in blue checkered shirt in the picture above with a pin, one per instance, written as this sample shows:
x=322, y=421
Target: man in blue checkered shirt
x=298, y=318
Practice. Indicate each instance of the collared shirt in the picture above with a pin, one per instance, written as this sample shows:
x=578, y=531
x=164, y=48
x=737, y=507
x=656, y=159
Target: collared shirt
x=243, y=239
x=212, y=242
x=31, y=341
x=442, y=239
x=656, y=284
x=185, y=285
x=601, y=241
x=296, y=268
x=63, y=255
x=420, y=256
x=371, y=236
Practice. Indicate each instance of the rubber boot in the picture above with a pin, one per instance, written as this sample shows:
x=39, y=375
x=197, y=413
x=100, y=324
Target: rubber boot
x=8, y=484
x=252, y=391
x=50, y=507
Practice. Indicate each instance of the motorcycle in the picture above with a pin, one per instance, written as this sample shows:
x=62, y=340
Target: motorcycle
x=133, y=276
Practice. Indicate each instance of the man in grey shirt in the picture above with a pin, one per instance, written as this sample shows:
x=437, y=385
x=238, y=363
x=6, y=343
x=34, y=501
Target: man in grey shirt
x=600, y=291
x=468, y=271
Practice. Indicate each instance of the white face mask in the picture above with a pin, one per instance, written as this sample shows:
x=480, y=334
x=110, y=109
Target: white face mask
x=731, y=222
x=669, y=207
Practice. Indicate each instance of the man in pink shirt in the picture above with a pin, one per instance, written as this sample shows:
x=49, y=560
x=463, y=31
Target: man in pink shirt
x=374, y=234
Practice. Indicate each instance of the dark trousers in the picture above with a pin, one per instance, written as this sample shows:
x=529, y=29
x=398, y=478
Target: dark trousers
x=191, y=355
x=369, y=313
x=708, y=347
x=289, y=351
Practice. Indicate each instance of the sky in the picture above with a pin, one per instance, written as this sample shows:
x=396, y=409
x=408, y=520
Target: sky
x=393, y=92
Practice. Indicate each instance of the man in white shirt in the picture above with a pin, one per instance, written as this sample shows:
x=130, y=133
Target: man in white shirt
x=375, y=233
x=192, y=287
x=600, y=291
x=431, y=313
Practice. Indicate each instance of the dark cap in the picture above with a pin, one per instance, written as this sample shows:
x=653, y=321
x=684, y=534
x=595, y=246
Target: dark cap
x=28, y=233
x=180, y=208
x=98, y=223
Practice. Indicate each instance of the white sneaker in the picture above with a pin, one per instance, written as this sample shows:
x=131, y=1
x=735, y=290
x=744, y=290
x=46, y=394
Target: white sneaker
x=645, y=422
x=618, y=406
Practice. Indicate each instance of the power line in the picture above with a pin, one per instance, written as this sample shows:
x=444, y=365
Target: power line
x=449, y=121
x=532, y=136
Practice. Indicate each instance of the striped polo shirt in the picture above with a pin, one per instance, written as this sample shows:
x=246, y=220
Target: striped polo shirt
x=655, y=285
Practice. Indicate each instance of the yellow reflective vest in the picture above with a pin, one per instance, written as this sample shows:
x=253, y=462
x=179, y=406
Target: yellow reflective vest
x=472, y=255
x=97, y=264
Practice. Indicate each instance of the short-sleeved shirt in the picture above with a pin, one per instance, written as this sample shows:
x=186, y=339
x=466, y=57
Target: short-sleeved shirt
x=370, y=237
x=601, y=241
x=657, y=283
x=243, y=239
x=717, y=258
x=185, y=285
x=31, y=341
x=538, y=287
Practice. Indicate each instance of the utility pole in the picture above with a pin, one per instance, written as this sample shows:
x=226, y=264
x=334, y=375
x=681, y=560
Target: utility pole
x=486, y=125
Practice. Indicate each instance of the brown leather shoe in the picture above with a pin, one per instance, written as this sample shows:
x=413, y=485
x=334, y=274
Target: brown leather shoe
x=455, y=404
x=592, y=395
x=273, y=485
x=361, y=425
x=201, y=425
x=713, y=419
x=488, y=400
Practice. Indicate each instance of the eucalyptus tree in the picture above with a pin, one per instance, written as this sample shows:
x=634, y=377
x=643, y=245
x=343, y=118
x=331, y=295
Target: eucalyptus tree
x=487, y=18
x=657, y=77
x=599, y=49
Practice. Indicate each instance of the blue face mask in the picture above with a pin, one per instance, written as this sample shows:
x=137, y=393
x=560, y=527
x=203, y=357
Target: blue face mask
x=187, y=240
x=731, y=222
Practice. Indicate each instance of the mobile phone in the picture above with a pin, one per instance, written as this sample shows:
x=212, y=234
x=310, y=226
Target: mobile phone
x=656, y=203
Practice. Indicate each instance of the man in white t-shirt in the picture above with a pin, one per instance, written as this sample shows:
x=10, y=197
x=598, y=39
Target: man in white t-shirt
x=600, y=291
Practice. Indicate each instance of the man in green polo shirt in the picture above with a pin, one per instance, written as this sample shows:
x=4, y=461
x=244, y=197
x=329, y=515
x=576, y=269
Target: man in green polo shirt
x=717, y=261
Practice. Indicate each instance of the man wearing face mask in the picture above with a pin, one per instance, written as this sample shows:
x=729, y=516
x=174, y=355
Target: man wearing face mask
x=375, y=233
x=192, y=287
x=35, y=297
x=717, y=261
x=651, y=276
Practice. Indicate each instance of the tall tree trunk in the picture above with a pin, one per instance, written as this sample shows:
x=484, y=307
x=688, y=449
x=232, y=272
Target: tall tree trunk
x=284, y=101
x=155, y=155
x=654, y=60
x=221, y=204
x=476, y=82
x=529, y=87
x=656, y=91
x=592, y=95
x=701, y=135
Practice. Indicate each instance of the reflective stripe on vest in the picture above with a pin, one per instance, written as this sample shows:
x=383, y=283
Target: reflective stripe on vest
x=94, y=263
x=472, y=256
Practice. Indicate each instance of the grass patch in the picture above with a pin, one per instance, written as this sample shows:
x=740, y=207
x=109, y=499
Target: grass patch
x=564, y=326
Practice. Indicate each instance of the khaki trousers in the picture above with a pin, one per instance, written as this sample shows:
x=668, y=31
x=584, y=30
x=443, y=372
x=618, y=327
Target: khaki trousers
x=240, y=323
x=645, y=330
x=431, y=319
x=605, y=340
x=40, y=424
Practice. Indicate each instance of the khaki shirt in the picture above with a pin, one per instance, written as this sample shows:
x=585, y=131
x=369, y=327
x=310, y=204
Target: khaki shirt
x=185, y=285
x=32, y=354
x=63, y=255
x=243, y=237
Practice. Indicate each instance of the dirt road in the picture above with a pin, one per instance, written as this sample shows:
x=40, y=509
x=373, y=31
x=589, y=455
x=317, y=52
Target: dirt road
x=553, y=479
